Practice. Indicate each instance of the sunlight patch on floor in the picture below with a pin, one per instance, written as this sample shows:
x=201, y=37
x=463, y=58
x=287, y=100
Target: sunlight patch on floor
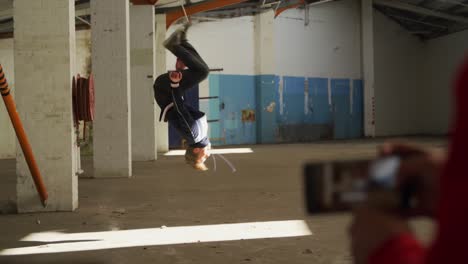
x=213, y=151
x=58, y=242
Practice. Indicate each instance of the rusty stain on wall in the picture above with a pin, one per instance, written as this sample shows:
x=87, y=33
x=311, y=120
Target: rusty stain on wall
x=248, y=115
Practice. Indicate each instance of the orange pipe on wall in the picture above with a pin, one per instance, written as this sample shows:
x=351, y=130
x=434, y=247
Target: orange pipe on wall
x=22, y=138
x=172, y=16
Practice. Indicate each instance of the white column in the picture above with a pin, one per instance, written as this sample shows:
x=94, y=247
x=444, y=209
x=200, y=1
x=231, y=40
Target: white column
x=161, y=127
x=44, y=66
x=142, y=78
x=264, y=43
x=111, y=70
x=367, y=22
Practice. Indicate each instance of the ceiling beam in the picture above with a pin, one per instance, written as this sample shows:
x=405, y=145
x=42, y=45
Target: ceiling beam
x=144, y=2
x=173, y=16
x=316, y=3
x=419, y=22
x=80, y=10
x=420, y=10
x=456, y=2
x=229, y=13
x=164, y=10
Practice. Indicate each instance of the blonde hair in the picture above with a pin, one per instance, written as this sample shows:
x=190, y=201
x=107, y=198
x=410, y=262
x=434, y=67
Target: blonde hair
x=191, y=158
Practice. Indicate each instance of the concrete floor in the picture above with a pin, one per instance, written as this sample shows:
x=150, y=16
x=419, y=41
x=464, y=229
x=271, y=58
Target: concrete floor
x=267, y=187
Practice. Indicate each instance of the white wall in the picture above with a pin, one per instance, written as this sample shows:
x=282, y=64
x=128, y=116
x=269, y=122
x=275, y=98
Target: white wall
x=225, y=43
x=398, y=62
x=413, y=79
x=330, y=46
x=443, y=56
x=7, y=134
x=83, y=52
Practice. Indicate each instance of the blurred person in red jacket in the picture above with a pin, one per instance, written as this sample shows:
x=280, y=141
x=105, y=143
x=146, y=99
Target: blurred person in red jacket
x=382, y=237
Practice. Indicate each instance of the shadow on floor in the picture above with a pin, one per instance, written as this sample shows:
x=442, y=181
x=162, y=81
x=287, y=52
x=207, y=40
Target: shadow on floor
x=8, y=186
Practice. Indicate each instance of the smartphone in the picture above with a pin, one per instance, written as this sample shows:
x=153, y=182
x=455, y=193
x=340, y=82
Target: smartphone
x=341, y=184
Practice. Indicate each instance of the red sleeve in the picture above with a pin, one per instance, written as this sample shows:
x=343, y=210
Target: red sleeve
x=451, y=243
x=401, y=249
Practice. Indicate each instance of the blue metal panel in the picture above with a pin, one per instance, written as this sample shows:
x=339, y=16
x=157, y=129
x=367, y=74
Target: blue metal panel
x=357, y=115
x=340, y=91
x=237, y=94
x=318, y=105
x=266, y=94
x=213, y=113
x=293, y=100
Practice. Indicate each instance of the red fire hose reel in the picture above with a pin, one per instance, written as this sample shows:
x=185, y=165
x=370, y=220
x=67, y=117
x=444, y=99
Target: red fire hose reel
x=83, y=104
x=83, y=99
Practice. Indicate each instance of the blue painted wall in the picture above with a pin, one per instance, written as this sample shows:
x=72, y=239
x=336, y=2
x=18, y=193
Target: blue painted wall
x=318, y=105
x=341, y=107
x=267, y=105
x=357, y=113
x=312, y=109
x=212, y=108
x=293, y=101
x=236, y=93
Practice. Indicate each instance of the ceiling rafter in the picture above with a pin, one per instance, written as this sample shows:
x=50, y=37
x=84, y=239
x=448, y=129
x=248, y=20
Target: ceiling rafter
x=421, y=10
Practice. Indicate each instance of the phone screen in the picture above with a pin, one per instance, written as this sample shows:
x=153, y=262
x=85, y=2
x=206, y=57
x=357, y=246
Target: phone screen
x=338, y=185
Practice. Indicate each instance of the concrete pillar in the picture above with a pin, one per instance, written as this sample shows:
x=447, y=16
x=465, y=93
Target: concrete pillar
x=264, y=43
x=111, y=69
x=142, y=78
x=367, y=23
x=265, y=67
x=161, y=127
x=44, y=65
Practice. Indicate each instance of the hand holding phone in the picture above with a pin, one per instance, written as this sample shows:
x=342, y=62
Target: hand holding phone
x=403, y=179
x=339, y=185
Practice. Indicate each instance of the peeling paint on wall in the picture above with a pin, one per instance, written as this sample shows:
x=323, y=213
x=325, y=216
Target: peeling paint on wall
x=271, y=107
